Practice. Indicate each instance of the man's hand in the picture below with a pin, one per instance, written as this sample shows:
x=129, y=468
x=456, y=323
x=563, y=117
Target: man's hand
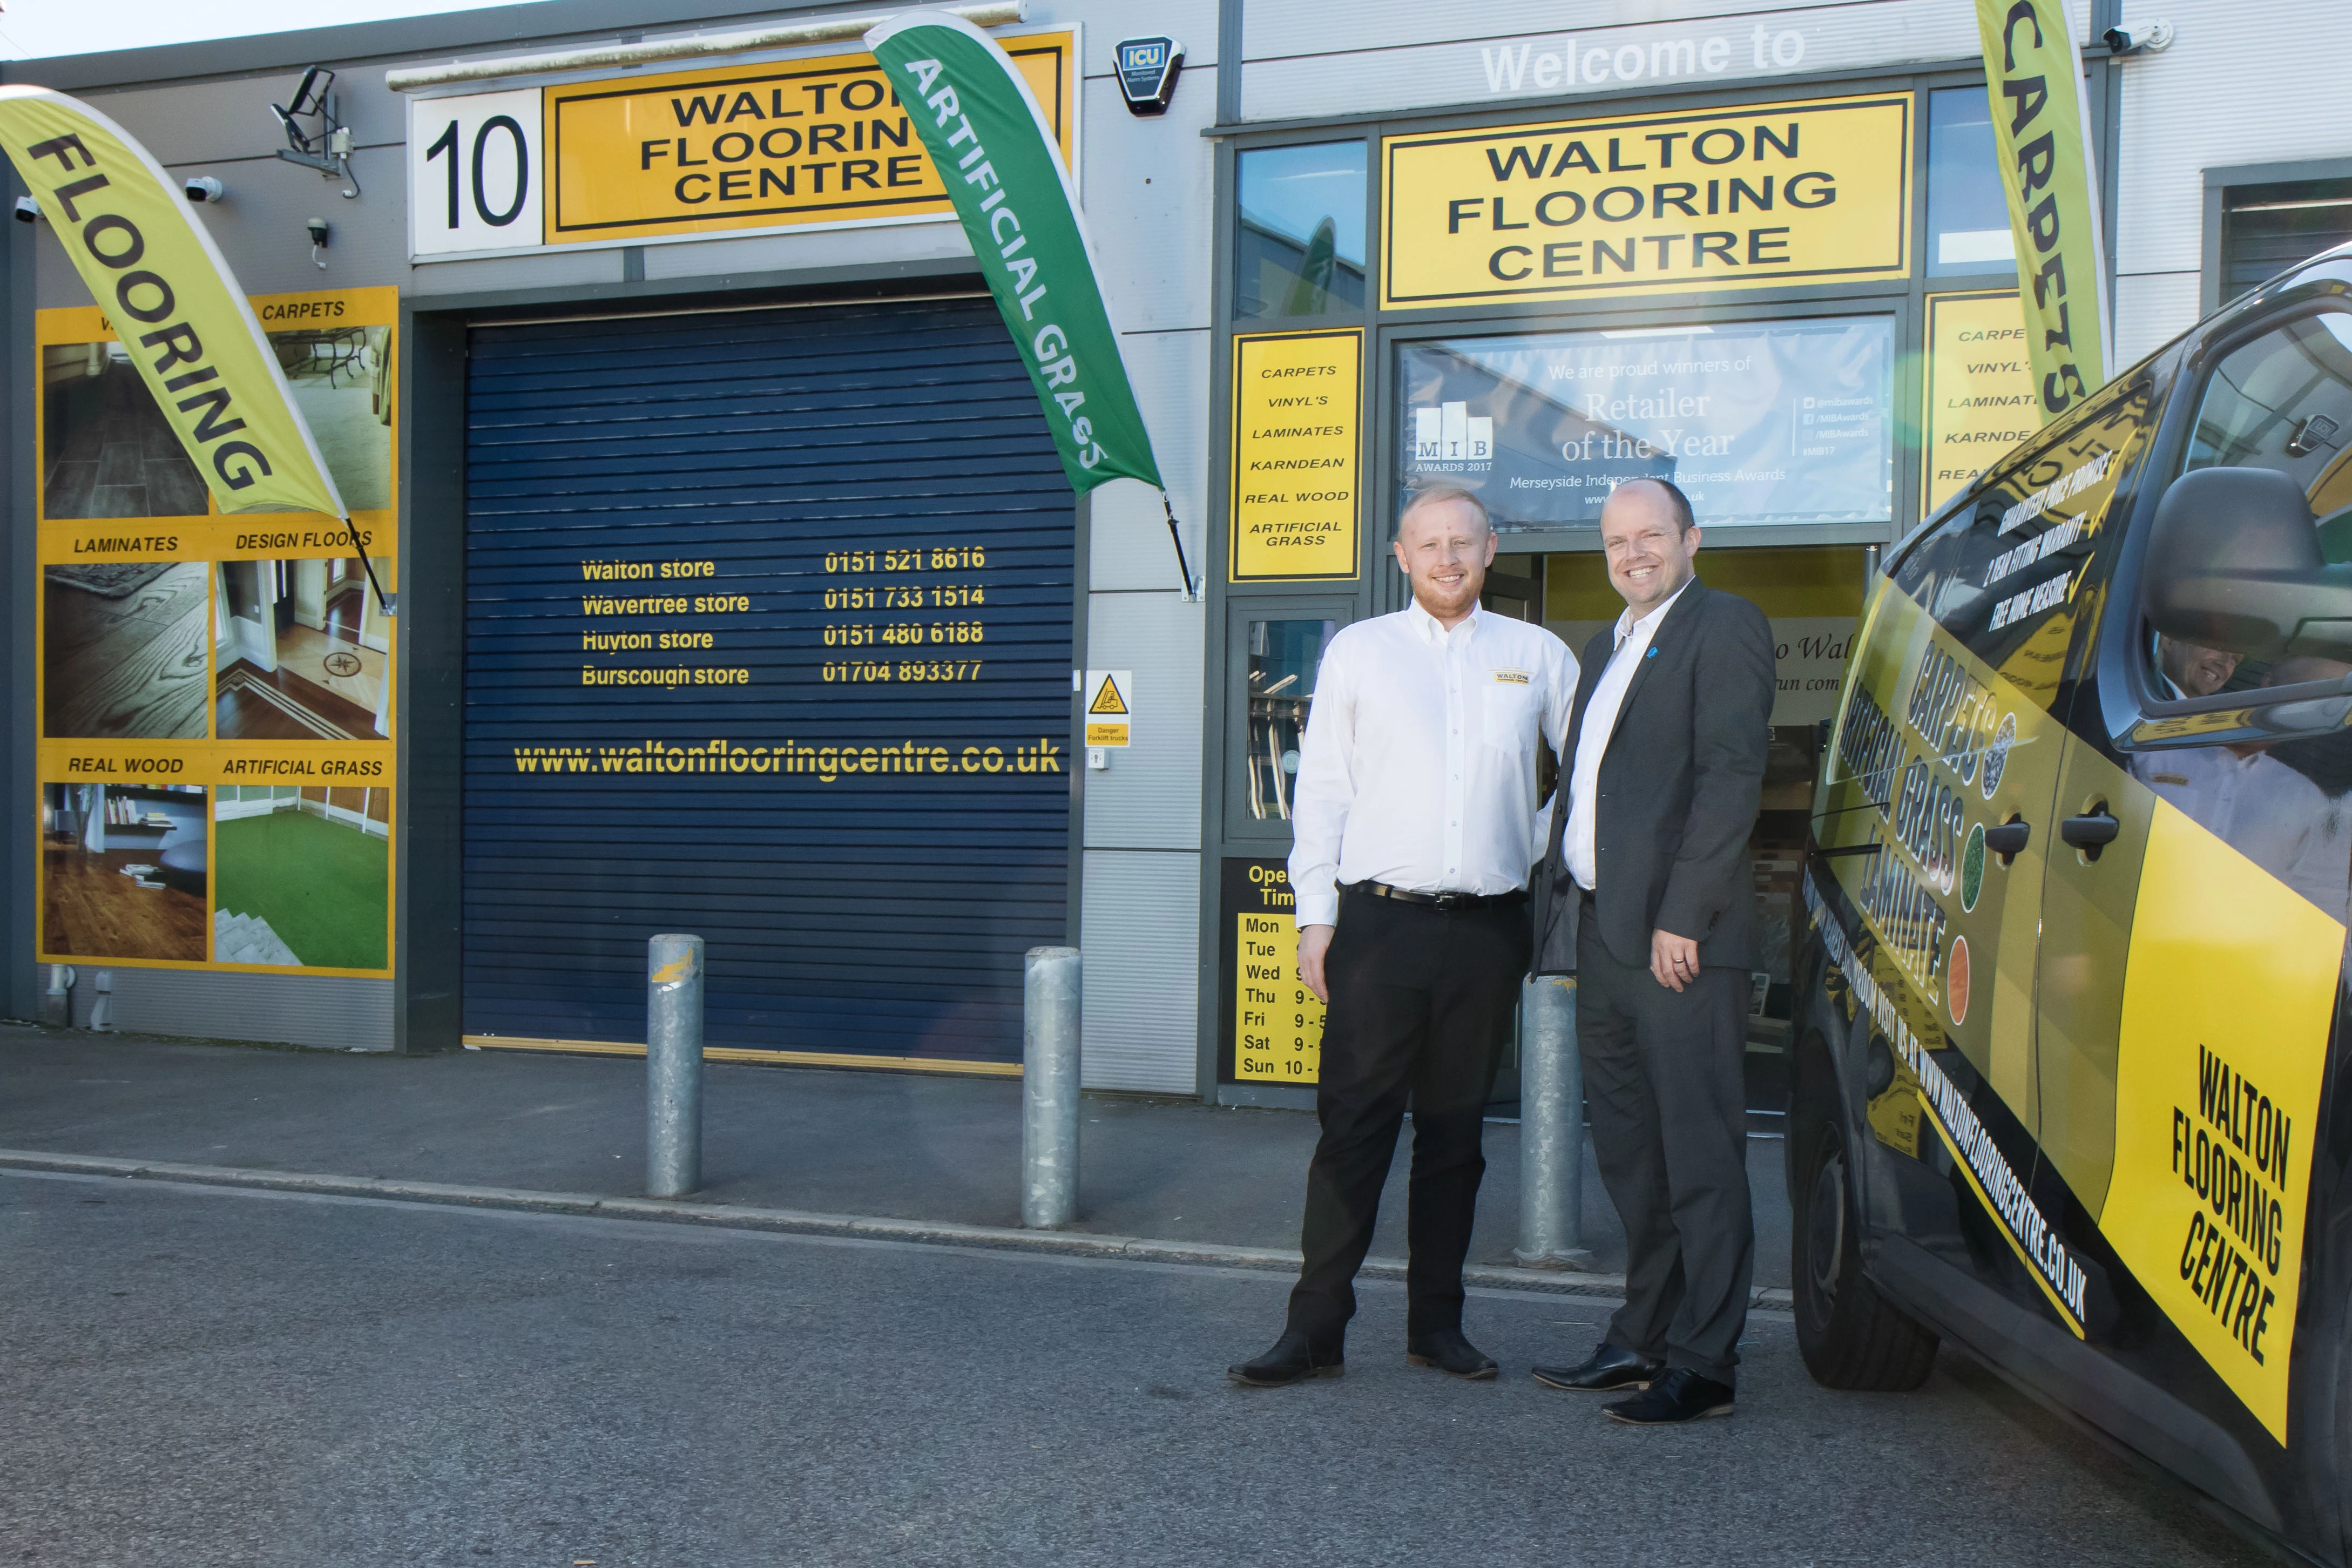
x=1313, y=941
x=1673, y=959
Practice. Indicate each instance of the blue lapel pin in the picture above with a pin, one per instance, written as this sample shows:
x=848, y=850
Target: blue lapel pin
x=1651, y=653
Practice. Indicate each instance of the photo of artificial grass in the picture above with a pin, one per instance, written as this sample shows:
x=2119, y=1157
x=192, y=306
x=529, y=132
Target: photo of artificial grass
x=321, y=886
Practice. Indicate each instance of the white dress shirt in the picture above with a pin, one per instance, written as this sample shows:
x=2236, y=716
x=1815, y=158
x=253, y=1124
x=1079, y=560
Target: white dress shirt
x=1600, y=722
x=1419, y=765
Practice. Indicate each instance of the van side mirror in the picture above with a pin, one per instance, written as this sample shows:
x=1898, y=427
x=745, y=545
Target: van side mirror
x=2233, y=562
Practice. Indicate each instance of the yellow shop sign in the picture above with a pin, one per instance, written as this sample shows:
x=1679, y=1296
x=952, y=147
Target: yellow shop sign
x=1759, y=196
x=784, y=144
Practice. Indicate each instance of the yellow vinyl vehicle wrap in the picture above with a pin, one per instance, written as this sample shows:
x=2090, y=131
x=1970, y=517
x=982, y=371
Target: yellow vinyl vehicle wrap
x=2072, y=1000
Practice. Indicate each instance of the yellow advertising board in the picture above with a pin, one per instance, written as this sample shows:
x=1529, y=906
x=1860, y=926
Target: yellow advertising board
x=216, y=693
x=784, y=144
x=1297, y=500
x=1979, y=390
x=1757, y=196
x=1276, y=1023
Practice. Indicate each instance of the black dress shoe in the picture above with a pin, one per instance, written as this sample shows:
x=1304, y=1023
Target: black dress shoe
x=1606, y=1368
x=1293, y=1359
x=1680, y=1395
x=1450, y=1354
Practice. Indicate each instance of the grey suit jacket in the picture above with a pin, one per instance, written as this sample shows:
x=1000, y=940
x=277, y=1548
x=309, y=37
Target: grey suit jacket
x=1677, y=792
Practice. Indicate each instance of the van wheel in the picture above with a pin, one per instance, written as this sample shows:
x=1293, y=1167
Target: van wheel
x=1850, y=1336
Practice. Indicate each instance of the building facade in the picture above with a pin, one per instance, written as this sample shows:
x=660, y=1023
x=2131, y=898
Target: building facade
x=737, y=590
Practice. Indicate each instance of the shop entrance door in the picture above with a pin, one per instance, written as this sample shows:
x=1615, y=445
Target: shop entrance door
x=769, y=637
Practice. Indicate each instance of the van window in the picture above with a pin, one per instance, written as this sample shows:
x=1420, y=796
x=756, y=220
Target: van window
x=2279, y=787
x=2007, y=575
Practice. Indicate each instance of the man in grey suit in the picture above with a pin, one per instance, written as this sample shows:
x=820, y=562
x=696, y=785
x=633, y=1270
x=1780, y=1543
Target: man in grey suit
x=1650, y=899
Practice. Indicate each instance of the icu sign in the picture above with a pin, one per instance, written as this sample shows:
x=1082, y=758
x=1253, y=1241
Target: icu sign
x=1753, y=197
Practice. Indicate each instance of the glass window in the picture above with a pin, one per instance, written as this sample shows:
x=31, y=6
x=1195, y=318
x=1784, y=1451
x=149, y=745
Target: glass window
x=1298, y=243
x=1967, y=212
x=2265, y=229
x=2281, y=401
x=1283, y=659
x=2008, y=577
x=1757, y=422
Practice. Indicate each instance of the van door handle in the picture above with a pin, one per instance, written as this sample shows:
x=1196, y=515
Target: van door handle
x=2091, y=832
x=2008, y=839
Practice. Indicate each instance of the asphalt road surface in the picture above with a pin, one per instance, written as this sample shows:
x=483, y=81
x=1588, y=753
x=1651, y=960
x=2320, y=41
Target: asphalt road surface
x=197, y=1375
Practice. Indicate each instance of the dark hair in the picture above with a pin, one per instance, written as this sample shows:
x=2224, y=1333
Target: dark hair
x=1435, y=494
x=1675, y=499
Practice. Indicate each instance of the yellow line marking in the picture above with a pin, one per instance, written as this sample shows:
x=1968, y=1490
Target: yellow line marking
x=742, y=1053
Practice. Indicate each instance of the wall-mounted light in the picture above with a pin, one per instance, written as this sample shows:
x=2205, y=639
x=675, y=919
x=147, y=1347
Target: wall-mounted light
x=328, y=148
x=205, y=188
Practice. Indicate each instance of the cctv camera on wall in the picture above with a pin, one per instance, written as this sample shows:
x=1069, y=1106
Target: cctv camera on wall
x=205, y=188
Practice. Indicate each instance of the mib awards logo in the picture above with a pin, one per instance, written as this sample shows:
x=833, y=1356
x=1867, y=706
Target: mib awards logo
x=1451, y=439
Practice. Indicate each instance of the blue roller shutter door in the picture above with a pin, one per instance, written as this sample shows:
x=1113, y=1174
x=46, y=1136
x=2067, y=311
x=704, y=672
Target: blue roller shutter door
x=879, y=910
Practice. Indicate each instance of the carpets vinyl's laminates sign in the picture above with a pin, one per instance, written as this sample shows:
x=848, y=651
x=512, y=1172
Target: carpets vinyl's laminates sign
x=1297, y=496
x=1758, y=196
x=1979, y=391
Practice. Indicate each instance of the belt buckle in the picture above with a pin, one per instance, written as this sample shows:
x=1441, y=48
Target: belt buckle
x=1451, y=900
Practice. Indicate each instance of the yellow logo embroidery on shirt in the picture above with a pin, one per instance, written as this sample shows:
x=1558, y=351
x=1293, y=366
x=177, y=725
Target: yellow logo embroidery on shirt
x=1512, y=677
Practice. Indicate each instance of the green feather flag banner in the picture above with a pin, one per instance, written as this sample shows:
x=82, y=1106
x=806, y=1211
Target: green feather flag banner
x=991, y=145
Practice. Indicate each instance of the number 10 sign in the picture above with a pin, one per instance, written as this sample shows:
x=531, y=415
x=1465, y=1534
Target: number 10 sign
x=474, y=172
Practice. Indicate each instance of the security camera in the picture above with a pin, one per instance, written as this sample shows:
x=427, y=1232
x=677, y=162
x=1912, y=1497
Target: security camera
x=2154, y=38
x=205, y=188
x=318, y=227
x=27, y=209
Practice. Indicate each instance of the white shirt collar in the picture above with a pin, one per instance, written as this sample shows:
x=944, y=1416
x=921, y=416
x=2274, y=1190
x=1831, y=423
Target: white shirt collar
x=1626, y=623
x=1430, y=631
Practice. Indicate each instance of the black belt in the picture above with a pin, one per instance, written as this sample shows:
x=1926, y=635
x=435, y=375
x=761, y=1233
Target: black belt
x=1435, y=900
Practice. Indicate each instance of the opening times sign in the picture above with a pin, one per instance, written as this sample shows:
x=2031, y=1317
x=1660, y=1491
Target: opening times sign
x=1274, y=1030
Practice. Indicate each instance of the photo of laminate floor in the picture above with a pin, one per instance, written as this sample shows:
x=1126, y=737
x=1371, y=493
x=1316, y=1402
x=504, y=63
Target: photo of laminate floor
x=91, y=908
x=124, y=653
x=111, y=452
x=318, y=887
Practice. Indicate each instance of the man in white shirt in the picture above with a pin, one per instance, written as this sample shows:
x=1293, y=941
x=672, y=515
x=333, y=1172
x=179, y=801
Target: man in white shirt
x=1416, y=823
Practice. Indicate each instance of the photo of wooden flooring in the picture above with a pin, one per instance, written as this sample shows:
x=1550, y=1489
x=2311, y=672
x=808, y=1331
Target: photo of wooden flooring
x=123, y=650
x=123, y=873
x=110, y=452
x=281, y=678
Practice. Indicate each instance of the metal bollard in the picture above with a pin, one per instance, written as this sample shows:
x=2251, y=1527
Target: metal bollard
x=1551, y=1128
x=1049, y=1087
x=673, y=1066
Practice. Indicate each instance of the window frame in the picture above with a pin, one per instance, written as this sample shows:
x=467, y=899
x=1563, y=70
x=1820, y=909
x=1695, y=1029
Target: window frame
x=1240, y=828
x=2219, y=182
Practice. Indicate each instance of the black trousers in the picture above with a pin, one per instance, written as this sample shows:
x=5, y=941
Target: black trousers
x=1663, y=1080
x=1422, y=1002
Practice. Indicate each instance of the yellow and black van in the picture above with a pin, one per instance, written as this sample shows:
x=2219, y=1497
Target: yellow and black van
x=2071, y=1027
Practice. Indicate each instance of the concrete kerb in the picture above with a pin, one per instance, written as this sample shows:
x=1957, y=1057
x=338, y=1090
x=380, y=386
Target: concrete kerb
x=744, y=1216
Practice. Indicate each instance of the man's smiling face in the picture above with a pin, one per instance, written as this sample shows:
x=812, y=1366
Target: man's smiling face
x=1648, y=548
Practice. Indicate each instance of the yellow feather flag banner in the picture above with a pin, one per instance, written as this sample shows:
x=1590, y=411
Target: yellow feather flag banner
x=2041, y=125
x=172, y=302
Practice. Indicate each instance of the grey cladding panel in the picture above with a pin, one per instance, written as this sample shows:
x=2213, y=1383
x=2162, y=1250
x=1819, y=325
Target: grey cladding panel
x=333, y=1012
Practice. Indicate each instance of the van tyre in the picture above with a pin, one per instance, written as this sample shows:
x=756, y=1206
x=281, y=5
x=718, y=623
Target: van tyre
x=1850, y=1336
